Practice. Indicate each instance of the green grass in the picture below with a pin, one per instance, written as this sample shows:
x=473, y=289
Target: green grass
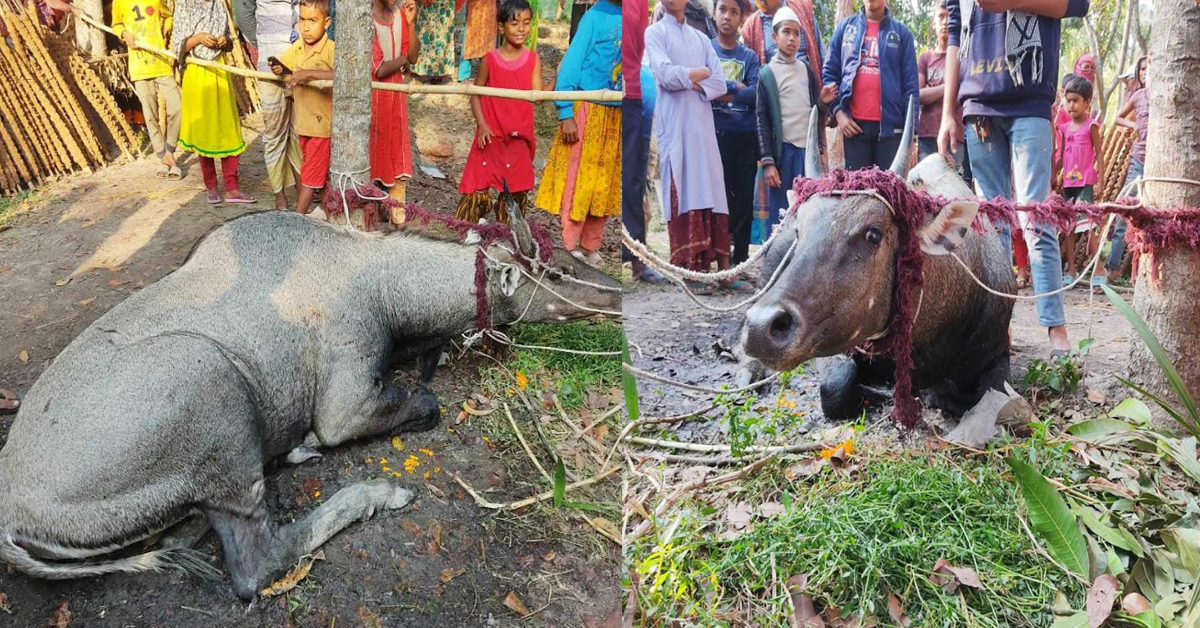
x=859, y=538
x=569, y=375
x=9, y=205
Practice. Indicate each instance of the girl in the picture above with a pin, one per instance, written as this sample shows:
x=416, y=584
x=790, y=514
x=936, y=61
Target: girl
x=582, y=179
x=435, y=30
x=210, y=126
x=502, y=152
x=1081, y=161
x=393, y=52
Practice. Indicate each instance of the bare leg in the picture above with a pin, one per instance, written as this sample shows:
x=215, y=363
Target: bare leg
x=304, y=198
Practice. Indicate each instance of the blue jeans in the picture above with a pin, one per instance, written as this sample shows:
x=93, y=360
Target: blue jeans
x=1136, y=170
x=790, y=165
x=1016, y=154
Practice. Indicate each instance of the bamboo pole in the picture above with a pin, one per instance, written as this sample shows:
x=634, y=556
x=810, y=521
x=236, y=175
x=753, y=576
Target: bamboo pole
x=104, y=105
x=598, y=95
x=14, y=140
x=52, y=153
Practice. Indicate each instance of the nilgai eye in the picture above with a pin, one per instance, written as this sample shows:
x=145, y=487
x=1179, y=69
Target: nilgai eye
x=874, y=235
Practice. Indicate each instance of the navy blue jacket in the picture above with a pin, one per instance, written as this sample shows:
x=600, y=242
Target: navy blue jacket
x=897, y=68
x=986, y=88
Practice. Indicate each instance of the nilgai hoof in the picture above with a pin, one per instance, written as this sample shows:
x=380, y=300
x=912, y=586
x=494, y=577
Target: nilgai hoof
x=302, y=454
x=9, y=404
x=386, y=495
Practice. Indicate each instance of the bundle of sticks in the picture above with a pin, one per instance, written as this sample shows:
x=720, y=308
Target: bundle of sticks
x=56, y=114
x=1117, y=150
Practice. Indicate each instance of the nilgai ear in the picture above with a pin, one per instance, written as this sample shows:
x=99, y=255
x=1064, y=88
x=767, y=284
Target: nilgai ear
x=946, y=231
x=516, y=220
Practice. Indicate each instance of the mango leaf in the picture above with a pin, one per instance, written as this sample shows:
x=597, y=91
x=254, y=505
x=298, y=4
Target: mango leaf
x=1192, y=421
x=1183, y=452
x=1077, y=620
x=1097, y=429
x=1115, y=566
x=1051, y=518
x=1119, y=537
x=1146, y=620
x=1184, y=543
x=629, y=382
x=1133, y=409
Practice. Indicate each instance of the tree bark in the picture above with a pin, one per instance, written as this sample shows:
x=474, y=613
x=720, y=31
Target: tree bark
x=834, y=153
x=1098, y=53
x=91, y=40
x=350, y=145
x=1137, y=28
x=1168, y=285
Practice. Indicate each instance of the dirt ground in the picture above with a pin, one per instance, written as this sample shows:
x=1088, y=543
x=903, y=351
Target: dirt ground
x=671, y=336
x=83, y=244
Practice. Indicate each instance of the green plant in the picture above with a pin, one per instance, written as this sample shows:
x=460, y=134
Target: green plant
x=1061, y=374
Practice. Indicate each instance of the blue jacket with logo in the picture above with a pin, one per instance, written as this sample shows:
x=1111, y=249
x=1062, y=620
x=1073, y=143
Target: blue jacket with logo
x=897, y=68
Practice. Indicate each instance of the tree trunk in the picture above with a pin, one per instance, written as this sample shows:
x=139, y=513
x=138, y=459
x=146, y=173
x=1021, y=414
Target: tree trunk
x=87, y=39
x=1121, y=57
x=1098, y=54
x=1137, y=28
x=350, y=147
x=833, y=138
x=1168, y=285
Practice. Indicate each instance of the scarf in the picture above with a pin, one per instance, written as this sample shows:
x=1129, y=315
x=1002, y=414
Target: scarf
x=198, y=16
x=1090, y=76
x=1022, y=39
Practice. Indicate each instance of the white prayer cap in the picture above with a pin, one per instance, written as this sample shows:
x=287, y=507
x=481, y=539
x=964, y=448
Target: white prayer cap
x=784, y=14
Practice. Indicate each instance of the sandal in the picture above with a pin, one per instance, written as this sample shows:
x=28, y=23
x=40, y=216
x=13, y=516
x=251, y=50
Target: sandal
x=651, y=277
x=738, y=285
x=241, y=198
x=698, y=288
x=162, y=172
x=214, y=197
x=174, y=173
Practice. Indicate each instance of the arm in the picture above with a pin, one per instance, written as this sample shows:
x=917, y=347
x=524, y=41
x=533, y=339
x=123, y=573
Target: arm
x=118, y=23
x=572, y=65
x=537, y=74
x=668, y=76
x=1098, y=150
x=929, y=95
x=832, y=70
x=946, y=140
x=765, y=135
x=1056, y=160
x=414, y=42
x=1056, y=9
x=484, y=131
x=1123, y=120
x=749, y=92
x=713, y=85
x=908, y=74
x=245, y=18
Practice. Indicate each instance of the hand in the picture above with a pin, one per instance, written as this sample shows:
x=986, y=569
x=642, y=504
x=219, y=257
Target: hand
x=276, y=69
x=570, y=131
x=300, y=77
x=223, y=43
x=740, y=86
x=410, y=10
x=697, y=88
x=485, y=135
x=946, y=142
x=829, y=93
x=846, y=125
x=696, y=75
x=771, y=175
x=206, y=40
x=129, y=40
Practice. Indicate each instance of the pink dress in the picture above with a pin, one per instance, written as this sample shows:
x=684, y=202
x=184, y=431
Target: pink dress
x=1079, y=156
x=391, y=154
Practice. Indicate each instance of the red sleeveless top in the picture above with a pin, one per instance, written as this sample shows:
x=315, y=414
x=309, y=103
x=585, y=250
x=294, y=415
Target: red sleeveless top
x=509, y=156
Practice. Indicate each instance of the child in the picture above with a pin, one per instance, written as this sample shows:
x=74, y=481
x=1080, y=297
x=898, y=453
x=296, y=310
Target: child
x=504, y=145
x=1008, y=84
x=582, y=179
x=689, y=76
x=144, y=22
x=872, y=64
x=1076, y=170
x=1139, y=101
x=931, y=78
x=734, y=117
x=787, y=91
x=310, y=59
x=209, y=125
x=394, y=50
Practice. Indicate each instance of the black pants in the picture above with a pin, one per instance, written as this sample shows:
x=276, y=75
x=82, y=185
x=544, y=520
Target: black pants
x=739, y=163
x=577, y=11
x=867, y=149
x=635, y=153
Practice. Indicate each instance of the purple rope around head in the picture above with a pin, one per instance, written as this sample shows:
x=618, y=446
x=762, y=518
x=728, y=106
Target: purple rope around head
x=1150, y=229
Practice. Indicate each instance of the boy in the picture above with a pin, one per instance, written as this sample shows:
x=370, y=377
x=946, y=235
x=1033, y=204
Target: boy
x=689, y=77
x=139, y=22
x=310, y=58
x=787, y=91
x=872, y=65
x=1007, y=87
x=931, y=78
x=733, y=116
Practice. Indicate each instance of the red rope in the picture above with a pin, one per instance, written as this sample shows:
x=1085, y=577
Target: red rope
x=1150, y=229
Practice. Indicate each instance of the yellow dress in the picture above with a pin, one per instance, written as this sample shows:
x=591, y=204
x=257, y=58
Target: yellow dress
x=585, y=177
x=210, y=125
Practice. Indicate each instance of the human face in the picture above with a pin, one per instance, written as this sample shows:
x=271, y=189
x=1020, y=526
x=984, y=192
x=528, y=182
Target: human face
x=675, y=7
x=1087, y=69
x=313, y=24
x=875, y=8
x=729, y=17
x=1144, y=71
x=1076, y=105
x=941, y=24
x=516, y=30
x=787, y=38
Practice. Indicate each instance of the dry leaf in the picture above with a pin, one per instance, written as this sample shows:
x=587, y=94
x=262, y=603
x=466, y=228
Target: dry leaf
x=896, y=612
x=87, y=302
x=600, y=432
x=369, y=619
x=1096, y=396
x=4, y=605
x=770, y=509
x=462, y=416
x=411, y=527
x=293, y=577
x=23, y=356
x=62, y=617
x=117, y=282
x=607, y=528
x=514, y=604
x=450, y=574
x=738, y=515
x=950, y=577
x=805, y=468
x=435, y=544
x=1135, y=604
x=63, y=282
x=550, y=557
x=804, y=614
x=1100, y=599
x=435, y=491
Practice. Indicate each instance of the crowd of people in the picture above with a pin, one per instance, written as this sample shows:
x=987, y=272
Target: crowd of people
x=730, y=93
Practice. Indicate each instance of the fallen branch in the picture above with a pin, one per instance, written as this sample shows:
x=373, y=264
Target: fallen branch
x=778, y=449
x=521, y=437
x=637, y=372
x=529, y=501
x=663, y=507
